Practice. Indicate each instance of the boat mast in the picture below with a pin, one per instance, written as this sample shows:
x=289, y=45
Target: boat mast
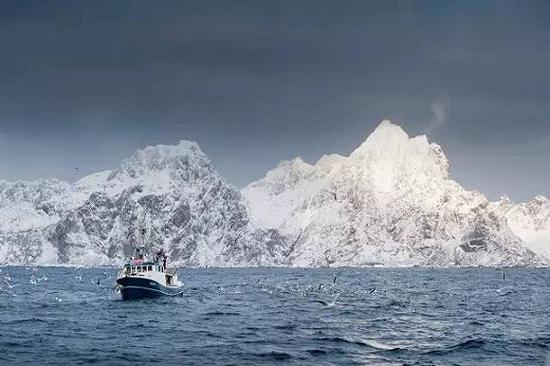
x=144, y=226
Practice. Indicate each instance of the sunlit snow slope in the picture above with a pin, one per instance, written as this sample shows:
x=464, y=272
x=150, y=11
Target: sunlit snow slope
x=392, y=202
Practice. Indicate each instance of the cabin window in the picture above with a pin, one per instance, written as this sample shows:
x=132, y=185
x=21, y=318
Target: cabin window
x=150, y=268
x=133, y=268
x=139, y=269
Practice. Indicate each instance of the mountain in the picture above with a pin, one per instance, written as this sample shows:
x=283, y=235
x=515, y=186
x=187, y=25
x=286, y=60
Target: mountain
x=530, y=221
x=27, y=211
x=163, y=196
x=391, y=202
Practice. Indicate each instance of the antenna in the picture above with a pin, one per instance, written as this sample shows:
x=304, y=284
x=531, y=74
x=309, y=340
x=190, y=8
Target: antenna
x=142, y=231
x=144, y=222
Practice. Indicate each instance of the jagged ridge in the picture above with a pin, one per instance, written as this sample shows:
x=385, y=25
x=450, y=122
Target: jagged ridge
x=391, y=202
x=162, y=196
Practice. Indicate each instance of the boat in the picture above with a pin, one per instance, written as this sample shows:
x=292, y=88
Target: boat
x=143, y=278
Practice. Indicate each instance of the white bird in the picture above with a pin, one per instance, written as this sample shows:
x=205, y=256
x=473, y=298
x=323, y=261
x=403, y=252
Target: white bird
x=10, y=285
x=326, y=303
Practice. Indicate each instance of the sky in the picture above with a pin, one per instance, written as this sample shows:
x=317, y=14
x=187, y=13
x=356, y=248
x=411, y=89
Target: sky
x=83, y=84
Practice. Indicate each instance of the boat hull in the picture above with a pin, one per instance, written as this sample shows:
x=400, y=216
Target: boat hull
x=142, y=288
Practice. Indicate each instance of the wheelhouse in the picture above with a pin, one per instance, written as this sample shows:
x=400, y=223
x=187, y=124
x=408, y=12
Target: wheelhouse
x=152, y=270
x=143, y=268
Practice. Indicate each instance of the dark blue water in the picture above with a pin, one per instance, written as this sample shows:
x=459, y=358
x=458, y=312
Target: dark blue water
x=267, y=316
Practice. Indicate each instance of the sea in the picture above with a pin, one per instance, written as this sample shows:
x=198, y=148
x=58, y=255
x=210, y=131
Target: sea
x=272, y=316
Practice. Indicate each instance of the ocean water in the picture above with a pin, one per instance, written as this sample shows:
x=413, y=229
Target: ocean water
x=372, y=316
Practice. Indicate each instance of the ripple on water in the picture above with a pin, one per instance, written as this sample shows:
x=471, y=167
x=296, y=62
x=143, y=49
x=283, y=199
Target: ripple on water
x=275, y=356
x=222, y=313
x=458, y=347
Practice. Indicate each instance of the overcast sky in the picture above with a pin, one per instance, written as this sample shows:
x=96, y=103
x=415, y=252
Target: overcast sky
x=83, y=84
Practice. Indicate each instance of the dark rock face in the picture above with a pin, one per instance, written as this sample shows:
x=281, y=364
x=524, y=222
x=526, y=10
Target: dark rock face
x=23, y=247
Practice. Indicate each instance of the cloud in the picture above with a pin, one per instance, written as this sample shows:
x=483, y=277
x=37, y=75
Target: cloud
x=439, y=117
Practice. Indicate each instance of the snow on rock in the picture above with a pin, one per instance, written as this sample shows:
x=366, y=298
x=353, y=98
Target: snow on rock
x=530, y=221
x=162, y=196
x=28, y=205
x=27, y=210
x=391, y=202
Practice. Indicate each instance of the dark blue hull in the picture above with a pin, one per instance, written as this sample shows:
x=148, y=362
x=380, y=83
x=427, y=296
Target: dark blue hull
x=142, y=288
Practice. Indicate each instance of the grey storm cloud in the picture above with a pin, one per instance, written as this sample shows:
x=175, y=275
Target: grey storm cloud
x=85, y=83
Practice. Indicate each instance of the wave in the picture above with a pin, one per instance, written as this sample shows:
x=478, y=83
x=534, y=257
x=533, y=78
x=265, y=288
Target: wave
x=363, y=342
x=541, y=342
x=381, y=346
x=316, y=352
x=466, y=345
x=23, y=321
x=478, y=323
x=275, y=356
x=221, y=313
x=285, y=327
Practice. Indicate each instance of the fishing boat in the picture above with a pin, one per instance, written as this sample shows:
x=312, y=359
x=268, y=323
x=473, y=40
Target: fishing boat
x=144, y=278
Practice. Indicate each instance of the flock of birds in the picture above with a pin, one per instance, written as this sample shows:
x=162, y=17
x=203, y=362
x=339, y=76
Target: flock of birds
x=324, y=293
x=36, y=278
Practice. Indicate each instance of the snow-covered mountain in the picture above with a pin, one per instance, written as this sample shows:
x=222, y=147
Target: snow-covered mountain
x=530, y=221
x=390, y=202
x=27, y=210
x=164, y=196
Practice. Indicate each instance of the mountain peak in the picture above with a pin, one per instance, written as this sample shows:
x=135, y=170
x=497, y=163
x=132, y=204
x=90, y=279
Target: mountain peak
x=330, y=160
x=386, y=123
x=183, y=148
x=540, y=198
x=159, y=156
x=296, y=166
x=387, y=128
x=389, y=155
x=151, y=160
x=384, y=137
